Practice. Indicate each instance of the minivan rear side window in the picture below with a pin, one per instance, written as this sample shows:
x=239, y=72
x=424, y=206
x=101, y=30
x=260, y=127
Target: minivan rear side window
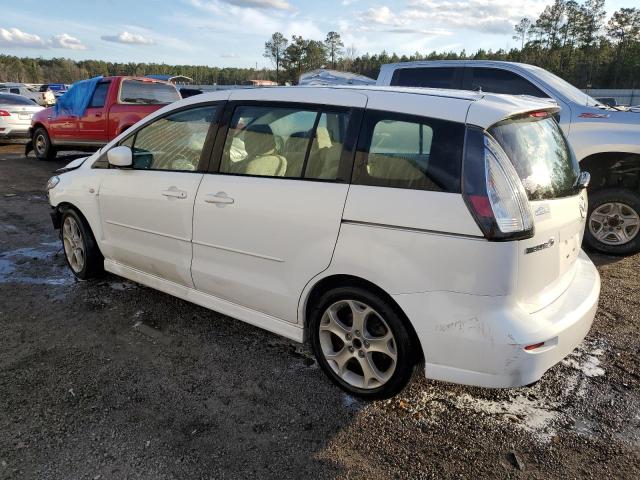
x=450, y=78
x=494, y=80
x=404, y=151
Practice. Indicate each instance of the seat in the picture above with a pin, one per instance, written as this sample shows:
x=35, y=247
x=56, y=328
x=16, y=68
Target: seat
x=294, y=151
x=262, y=158
x=324, y=157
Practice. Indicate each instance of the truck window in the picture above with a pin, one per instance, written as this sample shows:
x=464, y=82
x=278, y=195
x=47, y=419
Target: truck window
x=145, y=92
x=494, y=80
x=427, y=77
x=99, y=95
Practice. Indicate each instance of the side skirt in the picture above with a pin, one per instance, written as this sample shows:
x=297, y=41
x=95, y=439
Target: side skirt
x=258, y=319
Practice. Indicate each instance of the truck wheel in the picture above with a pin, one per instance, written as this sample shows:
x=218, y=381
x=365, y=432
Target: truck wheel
x=613, y=222
x=42, y=146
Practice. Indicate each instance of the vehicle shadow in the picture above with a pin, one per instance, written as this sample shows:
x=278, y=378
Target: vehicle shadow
x=601, y=259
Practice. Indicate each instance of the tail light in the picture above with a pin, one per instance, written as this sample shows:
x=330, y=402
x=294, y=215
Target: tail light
x=493, y=191
x=4, y=113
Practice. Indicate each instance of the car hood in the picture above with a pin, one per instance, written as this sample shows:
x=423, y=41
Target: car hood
x=72, y=165
x=610, y=117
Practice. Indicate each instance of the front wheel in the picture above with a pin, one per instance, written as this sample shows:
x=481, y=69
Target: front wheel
x=613, y=223
x=361, y=343
x=80, y=249
x=42, y=145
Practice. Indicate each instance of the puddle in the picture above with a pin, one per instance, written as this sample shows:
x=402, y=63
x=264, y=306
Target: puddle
x=18, y=266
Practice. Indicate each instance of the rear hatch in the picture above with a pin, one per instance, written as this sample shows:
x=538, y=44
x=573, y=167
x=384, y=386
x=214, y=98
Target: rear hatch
x=549, y=172
x=21, y=114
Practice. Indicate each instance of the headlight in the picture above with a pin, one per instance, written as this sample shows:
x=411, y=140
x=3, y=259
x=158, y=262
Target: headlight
x=52, y=182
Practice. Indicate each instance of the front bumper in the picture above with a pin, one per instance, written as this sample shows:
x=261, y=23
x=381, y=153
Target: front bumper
x=480, y=340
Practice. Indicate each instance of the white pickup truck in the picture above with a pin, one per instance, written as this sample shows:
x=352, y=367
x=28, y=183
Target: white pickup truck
x=606, y=141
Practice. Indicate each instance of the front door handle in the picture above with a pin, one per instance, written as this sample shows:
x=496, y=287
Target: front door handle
x=174, y=193
x=219, y=198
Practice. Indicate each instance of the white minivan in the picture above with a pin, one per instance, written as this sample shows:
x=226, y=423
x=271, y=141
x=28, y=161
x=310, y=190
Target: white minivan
x=389, y=227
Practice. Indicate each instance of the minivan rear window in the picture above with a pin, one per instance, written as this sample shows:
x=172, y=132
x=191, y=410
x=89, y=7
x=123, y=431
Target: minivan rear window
x=540, y=154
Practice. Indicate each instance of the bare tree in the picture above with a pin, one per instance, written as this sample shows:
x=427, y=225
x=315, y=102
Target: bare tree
x=523, y=29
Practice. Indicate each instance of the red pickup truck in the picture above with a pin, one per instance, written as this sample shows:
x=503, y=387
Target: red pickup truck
x=116, y=104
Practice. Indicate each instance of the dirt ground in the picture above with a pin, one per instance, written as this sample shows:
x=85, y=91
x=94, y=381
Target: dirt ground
x=107, y=379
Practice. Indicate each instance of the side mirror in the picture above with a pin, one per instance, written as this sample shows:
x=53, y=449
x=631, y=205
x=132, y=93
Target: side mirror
x=120, y=157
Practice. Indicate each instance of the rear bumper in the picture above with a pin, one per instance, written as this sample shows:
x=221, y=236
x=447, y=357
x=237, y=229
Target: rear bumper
x=14, y=131
x=480, y=340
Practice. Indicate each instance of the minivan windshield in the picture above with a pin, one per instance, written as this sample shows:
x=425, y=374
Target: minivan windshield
x=540, y=154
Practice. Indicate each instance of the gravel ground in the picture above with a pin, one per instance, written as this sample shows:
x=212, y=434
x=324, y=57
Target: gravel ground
x=107, y=379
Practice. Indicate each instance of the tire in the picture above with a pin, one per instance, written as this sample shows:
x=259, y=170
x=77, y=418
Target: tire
x=617, y=211
x=357, y=347
x=42, y=145
x=80, y=249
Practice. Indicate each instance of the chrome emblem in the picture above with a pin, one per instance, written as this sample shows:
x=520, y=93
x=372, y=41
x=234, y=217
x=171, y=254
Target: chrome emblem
x=536, y=248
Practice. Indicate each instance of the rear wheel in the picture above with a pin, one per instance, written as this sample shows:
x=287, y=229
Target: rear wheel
x=42, y=146
x=361, y=343
x=613, y=224
x=80, y=249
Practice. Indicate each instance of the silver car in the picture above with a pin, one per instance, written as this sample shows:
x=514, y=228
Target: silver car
x=15, y=115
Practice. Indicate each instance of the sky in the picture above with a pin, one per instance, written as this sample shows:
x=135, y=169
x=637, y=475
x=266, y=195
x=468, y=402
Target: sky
x=231, y=33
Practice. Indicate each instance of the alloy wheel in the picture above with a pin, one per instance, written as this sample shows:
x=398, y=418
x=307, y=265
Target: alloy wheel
x=73, y=244
x=41, y=144
x=358, y=344
x=614, y=223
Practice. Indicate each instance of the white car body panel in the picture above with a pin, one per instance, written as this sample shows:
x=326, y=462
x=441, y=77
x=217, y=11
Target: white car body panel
x=262, y=250
x=474, y=304
x=147, y=219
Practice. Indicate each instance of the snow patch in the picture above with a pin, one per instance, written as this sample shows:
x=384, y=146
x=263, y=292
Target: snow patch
x=585, y=359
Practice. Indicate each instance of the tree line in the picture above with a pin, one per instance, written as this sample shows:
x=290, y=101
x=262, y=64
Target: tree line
x=64, y=70
x=570, y=39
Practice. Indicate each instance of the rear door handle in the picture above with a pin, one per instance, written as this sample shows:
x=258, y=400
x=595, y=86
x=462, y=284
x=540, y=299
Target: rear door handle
x=175, y=193
x=219, y=198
